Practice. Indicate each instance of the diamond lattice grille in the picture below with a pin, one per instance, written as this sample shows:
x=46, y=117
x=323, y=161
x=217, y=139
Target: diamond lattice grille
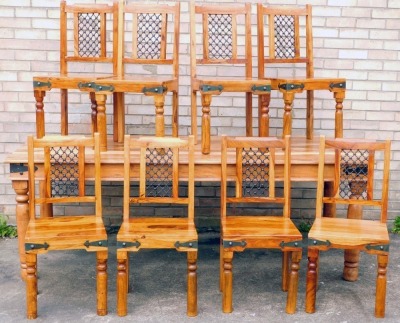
x=149, y=36
x=159, y=169
x=220, y=36
x=89, y=34
x=284, y=36
x=255, y=172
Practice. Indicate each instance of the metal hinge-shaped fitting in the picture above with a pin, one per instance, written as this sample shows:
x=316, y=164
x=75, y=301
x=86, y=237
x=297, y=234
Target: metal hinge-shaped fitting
x=19, y=168
x=99, y=243
x=291, y=86
x=227, y=243
x=211, y=88
x=340, y=85
x=316, y=243
x=127, y=244
x=154, y=90
x=37, y=84
x=36, y=246
x=261, y=88
x=296, y=244
x=187, y=244
x=378, y=247
x=96, y=87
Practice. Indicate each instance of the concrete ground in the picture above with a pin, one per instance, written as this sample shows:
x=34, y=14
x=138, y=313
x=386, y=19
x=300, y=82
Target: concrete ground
x=158, y=290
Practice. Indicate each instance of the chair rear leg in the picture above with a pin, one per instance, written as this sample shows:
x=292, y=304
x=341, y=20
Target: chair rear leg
x=311, y=283
x=102, y=283
x=122, y=282
x=293, y=283
x=192, y=283
x=221, y=267
x=31, y=286
x=380, y=298
x=227, y=288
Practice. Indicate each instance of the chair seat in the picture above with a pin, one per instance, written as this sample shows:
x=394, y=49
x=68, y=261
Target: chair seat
x=157, y=233
x=260, y=231
x=63, y=233
x=343, y=233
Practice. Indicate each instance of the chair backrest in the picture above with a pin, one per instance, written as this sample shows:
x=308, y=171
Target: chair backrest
x=260, y=162
x=159, y=171
x=355, y=171
x=83, y=34
x=285, y=36
x=58, y=162
x=149, y=34
x=220, y=34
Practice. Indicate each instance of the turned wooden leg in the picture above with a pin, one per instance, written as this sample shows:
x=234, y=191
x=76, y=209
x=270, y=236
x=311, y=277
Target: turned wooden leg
x=39, y=96
x=160, y=125
x=205, y=123
x=227, y=289
x=122, y=285
x=175, y=114
x=22, y=218
x=193, y=111
x=288, y=98
x=380, y=298
x=101, y=119
x=310, y=115
x=102, y=283
x=192, y=283
x=64, y=112
x=249, y=114
x=293, y=283
x=311, y=282
x=285, y=270
x=31, y=286
x=339, y=97
x=93, y=114
x=263, y=114
x=119, y=116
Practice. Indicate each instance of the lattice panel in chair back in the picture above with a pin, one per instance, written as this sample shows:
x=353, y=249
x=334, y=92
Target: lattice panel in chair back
x=354, y=174
x=159, y=171
x=89, y=35
x=64, y=171
x=284, y=36
x=149, y=35
x=255, y=172
x=220, y=36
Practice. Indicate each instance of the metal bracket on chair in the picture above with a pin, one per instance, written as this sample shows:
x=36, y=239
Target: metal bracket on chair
x=291, y=86
x=378, y=247
x=19, y=168
x=154, y=90
x=340, y=85
x=99, y=243
x=211, y=88
x=127, y=244
x=227, y=243
x=295, y=244
x=261, y=88
x=316, y=243
x=36, y=246
x=41, y=84
x=187, y=244
x=96, y=87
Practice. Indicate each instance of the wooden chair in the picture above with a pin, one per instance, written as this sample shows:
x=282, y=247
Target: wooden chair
x=259, y=163
x=221, y=36
x=148, y=41
x=83, y=40
x=64, y=178
x=285, y=37
x=355, y=172
x=159, y=176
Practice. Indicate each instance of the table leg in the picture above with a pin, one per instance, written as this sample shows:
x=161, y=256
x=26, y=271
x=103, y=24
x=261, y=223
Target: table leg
x=263, y=115
x=64, y=112
x=175, y=114
x=193, y=112
x=288, y=98
x=160, y=125
x=22, y=214
x=310, y=115
x=249, y=114
x=119, y=116
x=205, y=123
x=339, y=97
x=39, y=96
x=101, y=119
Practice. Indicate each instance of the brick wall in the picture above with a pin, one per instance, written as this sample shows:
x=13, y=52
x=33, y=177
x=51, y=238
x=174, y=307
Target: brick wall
x=355, y=39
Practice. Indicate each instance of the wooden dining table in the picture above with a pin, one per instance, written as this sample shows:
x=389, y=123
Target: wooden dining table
x=304, y=167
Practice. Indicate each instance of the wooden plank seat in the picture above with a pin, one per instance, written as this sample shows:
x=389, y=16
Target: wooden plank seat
x=63, y=182
x=354, y=187
x=221, y=36
x=159, y=175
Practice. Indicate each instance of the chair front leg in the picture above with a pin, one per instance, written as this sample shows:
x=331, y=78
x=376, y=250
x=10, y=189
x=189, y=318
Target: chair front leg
x=293, y=283
x=122, y=282
x=285, y=269
x=192, y=283
x=380, y=298
x=228, y=279
x=31, y=286
x=311, y=283
x=102, y=283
